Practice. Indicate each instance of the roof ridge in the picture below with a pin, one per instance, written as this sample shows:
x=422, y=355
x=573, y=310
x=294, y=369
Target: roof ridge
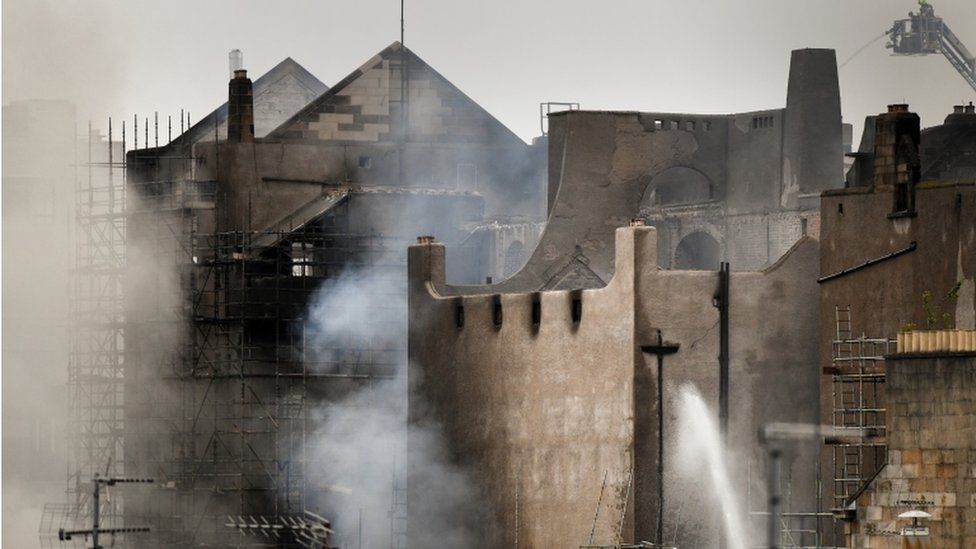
x=395, y=46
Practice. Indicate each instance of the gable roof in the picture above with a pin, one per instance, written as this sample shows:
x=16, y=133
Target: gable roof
x=337, y=100
x=204, y=128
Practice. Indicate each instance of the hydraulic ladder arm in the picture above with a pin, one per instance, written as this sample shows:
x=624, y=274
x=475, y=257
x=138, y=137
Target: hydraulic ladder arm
x=925, y=34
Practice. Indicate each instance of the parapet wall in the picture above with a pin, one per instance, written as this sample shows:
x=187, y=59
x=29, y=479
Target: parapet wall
x=543, y=394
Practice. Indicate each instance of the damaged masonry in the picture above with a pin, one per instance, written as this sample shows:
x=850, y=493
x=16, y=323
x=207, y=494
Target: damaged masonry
x=368, y=314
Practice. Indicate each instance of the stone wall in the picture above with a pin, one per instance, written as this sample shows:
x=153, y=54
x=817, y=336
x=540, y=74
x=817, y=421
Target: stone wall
x=857, y=227
x=931, y=454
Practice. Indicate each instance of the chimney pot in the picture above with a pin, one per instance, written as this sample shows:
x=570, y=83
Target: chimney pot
x=898, y=107
x=970, y=109
x=236, y=59
x=637, y=222
x=240, y=73
x=425, y=239
x=958, y=109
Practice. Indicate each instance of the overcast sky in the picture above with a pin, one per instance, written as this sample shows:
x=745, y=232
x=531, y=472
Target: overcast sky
x=136, y=56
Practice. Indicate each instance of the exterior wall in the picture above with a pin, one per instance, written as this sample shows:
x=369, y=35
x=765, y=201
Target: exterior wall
x=888, y=295
x=931, y=455
x=748, y=166
x=559, y=404
x=542, y=420
x=755, y=163
x=856, y=227
x=220, y=327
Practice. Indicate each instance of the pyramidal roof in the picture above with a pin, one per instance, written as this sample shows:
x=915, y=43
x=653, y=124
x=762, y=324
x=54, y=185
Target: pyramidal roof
x=363, y=106
x=278, y=94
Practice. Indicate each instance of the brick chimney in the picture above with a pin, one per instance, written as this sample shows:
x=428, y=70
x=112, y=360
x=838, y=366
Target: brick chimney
x=240, y=109
x=897, y=167
x=962, y=114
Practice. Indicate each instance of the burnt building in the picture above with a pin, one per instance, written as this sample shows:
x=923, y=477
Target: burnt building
x=741, y=188
x=550, y=396
x=239, y=233
x=547, y=382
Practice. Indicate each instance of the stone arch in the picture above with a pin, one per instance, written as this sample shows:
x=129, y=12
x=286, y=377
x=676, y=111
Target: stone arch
x=698, y=251
x=514, y=257
x=677, y=185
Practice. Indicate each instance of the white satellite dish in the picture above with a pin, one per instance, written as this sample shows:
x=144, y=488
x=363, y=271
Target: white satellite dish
x=914, y=514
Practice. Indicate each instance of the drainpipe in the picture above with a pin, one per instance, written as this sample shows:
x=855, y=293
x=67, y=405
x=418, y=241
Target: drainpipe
x=721, y=301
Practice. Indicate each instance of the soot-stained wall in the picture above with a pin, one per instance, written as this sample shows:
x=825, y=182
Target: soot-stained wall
x=749, y=181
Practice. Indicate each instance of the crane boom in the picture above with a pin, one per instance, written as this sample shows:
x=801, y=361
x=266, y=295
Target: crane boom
x=924, y=33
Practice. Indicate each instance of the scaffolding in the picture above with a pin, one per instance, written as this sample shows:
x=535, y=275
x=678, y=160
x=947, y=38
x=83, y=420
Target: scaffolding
x=96, y=343
x=226, y=363
x=194, y=359
x=858, y=376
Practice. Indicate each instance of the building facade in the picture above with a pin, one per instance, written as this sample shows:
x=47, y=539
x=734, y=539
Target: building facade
x=740, y=188
x=898, y=252
x=550, y=398
x=266, y=282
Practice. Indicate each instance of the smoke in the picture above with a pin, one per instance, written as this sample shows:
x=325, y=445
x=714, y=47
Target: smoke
x=361, y=438
x=362, y=310
x=58, y=69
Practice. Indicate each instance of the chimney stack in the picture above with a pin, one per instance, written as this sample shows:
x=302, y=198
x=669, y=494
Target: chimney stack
x=813, y=135
x=962, y=114
x=897, y=166
x=240, y=109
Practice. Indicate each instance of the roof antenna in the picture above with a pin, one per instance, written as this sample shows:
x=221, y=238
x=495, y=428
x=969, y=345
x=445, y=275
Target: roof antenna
x=401, y=23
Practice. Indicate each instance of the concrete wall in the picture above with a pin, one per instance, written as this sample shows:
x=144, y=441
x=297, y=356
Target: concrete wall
x=931, y=454
x=554, y=401
x=553, y=406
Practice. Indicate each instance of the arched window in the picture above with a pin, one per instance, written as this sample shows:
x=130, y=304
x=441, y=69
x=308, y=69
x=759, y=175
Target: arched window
x=513, y=258
x=697, y=252
x=677, y=185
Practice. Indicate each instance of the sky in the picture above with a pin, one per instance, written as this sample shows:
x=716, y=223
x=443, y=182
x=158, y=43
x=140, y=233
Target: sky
x=705, y=56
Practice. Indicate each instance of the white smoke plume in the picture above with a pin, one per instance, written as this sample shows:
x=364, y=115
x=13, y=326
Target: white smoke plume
x=360, y=440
